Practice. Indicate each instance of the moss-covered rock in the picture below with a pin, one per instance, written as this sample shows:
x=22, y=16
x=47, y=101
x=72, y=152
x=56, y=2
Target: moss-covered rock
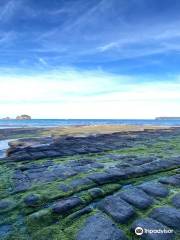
x=52, y=198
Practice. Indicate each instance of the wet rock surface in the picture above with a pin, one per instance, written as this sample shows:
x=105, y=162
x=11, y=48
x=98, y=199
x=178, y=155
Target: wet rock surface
x=119, y=210
x=137, y=198
x=5, y=230
x=176, y=200
x=63, y=206
x=100, y=227
x=96, y=187
x=168, y=215
x=172, y=180
x=154, y=189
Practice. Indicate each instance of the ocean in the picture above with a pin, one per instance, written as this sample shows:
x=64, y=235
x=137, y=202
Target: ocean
x=77, y=122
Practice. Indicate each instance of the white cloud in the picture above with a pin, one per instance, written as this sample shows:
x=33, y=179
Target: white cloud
x=56, y=85
x=69, y=93
x=123, y=109
x=108, y=46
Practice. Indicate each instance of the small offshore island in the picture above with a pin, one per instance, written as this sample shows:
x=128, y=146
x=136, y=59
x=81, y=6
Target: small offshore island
x=167, y=118
x=67, y=183
x=21, y=117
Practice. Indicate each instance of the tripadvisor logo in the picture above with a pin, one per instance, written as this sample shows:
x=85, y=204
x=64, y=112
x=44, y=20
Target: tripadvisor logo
x=139, y=231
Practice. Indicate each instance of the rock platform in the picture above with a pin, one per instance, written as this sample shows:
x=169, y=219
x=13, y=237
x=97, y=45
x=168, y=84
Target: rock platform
x=97, y=187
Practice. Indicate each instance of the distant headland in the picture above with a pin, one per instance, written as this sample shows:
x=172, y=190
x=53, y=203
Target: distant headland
x=20, y=117
x=167, y=118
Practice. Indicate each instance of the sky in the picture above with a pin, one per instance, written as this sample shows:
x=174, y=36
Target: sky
x=90, y=58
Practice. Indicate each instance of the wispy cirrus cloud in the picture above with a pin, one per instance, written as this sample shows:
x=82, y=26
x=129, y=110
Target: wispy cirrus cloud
x=8, y=9
x=72, y=32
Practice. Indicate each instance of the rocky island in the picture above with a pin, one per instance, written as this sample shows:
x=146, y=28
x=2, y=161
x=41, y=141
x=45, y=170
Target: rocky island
x=23, y=117
x=6, y=118
x=62, y=185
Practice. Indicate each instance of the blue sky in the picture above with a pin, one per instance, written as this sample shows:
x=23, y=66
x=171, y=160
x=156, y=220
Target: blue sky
x=90, y=58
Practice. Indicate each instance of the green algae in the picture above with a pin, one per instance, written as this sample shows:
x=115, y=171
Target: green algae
x=72, y=227
x=5, y=180
x=39, y=219
x=62, y=229
x=53, y=232
x=161, y=148
x=41, y=223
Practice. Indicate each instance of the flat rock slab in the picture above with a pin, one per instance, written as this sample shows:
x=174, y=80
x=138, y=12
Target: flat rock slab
x=5, y=231
x=100, y=227
x=64, y=206
x=137, y=198
x=176, y=200
x=81, y=183
x=21, y=186
x=151, y=224
x=141, y=160
x=32, y=200
x=167, y=215
x=102, y=178
x=155, y=189
x=6, y=204
x=66, y=146
x=158, y=165
x=64, y=188
x=120, y=210
x=172, y=180
x=61, y=171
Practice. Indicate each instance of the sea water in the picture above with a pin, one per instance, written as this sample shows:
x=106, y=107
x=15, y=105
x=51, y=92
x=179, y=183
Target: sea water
x=78, y=122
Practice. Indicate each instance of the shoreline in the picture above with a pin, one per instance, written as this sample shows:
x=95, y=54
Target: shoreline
x=38, y=134
x=55, y=123
x=26, y=132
